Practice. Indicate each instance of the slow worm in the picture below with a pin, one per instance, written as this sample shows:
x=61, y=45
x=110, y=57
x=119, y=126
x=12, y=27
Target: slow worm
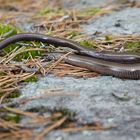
x=119, y=65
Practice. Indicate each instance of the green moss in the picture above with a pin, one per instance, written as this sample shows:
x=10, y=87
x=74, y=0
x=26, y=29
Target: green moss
x=23, y=55
x=26, y=55
x=2, y=74
x=132, y=45
x=1, y=92
x=32, y=79
x=88, y=44
x=108, y=38
x=14, y=94
x=90, y=11
x=7, y=30
x=9, y=48
x=73, y=34
x=64, y=112
x=13, y=117
x=51, y=12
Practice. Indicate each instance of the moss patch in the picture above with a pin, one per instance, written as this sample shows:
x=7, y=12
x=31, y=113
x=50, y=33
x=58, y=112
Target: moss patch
x=32, y=79
x=14, y=94
x=73, y=34
x=132, y=45
x=24, y=54
x=64, y=112
x=7, y=30
x=108, y=37
x=13, y=117
x=90, y=11
x=51, y=12
x=88, y=44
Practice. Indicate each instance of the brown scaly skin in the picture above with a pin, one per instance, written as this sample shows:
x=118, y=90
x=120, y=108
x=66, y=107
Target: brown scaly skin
x=119, y=65
x=127, y=71
x=114, y=57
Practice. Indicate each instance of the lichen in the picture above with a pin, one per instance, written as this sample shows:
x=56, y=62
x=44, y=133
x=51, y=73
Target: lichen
x=32, y=79
x=51, y=12
x=132, y=45
x=7, y=30
x=14, y=94
x=90, y=11
x=13, y=117
x=88, y=44
x=73, y=34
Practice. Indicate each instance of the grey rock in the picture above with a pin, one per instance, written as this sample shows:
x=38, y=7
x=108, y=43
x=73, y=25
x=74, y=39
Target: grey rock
x=92, y=99
x=126, y=21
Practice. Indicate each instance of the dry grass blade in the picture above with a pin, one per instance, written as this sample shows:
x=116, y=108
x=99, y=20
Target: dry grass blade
x=10, y=82
x=48, y=129
x=39, y=65
x=4, y=96
x=8, y=125
x=3, y=90
x=17, y=111
x=57, y=62
x=16, y=135
x=76, y=129
x=96, y=127
x=65, y=69
x=19, y=51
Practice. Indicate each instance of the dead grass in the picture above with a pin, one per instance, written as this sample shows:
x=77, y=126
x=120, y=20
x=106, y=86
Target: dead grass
x=10, y=130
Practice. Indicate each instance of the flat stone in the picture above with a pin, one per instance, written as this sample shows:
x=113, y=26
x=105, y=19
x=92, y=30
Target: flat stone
x=91, y=99
x=126, y=21
x=80, y=4
x=84, y=3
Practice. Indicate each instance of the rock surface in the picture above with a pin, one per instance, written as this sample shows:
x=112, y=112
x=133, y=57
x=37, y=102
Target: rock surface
x=126, y=21
x=109, y=100
x=84, y=3
x=80, y=4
